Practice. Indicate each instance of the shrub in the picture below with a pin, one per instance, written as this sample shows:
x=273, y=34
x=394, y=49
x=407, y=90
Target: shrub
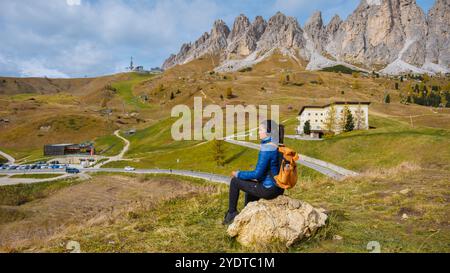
x=339, y=69
x=246, y=69
x=229, y=93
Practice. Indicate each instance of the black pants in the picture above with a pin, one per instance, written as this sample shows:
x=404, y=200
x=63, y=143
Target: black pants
x=253, y=192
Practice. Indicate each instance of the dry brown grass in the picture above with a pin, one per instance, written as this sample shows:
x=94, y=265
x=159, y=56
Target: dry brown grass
x=383, y=173
x=99, y=201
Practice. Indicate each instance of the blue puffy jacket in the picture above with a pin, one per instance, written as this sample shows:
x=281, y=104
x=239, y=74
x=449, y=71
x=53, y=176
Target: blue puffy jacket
x=268, y=159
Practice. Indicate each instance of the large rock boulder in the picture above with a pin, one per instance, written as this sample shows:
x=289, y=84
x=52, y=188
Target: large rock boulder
x=282, y=220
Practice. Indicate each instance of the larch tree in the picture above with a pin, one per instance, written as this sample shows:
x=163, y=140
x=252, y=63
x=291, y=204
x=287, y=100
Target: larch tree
x=360, y=119
x=218, y=152
x=330, y=120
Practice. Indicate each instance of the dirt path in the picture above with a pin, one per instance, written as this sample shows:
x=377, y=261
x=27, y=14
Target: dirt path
x=10, y=159
x=120, y=156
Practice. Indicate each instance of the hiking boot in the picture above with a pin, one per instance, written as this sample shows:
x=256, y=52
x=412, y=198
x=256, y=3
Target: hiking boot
x=229, y=218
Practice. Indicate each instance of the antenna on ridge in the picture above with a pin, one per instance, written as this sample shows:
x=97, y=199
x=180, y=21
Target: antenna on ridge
x=131, y=67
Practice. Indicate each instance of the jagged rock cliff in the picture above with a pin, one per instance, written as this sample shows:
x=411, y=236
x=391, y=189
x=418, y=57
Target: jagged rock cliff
x=391, y=36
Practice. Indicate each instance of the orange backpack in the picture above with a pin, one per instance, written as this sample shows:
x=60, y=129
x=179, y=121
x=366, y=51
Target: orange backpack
x=287, y=178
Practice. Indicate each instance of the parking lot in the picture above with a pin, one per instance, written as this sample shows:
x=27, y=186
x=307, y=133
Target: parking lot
x=37, y=166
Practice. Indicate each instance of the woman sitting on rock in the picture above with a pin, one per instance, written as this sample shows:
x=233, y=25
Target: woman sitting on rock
x=259, y=183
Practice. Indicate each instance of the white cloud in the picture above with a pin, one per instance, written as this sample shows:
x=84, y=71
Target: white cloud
x=73, y=2
x=93, y=38
x=35, y=68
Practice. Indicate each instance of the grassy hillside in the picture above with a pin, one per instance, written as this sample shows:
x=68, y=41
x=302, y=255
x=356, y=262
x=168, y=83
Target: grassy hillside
x=29, y=138
x=361, y=210
x=15, y=86
x=408, y=149
x=108, y=145
x=389, y=144
x=139, y=101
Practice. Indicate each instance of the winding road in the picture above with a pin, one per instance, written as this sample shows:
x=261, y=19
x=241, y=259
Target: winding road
x=328, y=169
x=6, y=181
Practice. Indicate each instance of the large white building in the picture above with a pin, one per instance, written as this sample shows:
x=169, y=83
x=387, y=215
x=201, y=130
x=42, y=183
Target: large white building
x=317, y=116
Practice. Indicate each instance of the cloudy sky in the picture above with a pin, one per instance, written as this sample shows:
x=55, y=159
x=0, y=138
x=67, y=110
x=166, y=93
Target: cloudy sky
x=78, y=38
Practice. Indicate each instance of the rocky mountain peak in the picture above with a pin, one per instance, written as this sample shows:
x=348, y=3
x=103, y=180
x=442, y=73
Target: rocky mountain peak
x=315, y=21
x=282, y=32
x=438, y=42
x=220, y=30
x=244, y=37
x=334, y=24
x=315, y=31
x=259, y=26
x=240, y=27
x=392, y=34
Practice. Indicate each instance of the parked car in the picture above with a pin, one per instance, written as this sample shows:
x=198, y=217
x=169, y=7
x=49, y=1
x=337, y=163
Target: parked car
x=72, y=170
x=13, y=167
x=129, y=169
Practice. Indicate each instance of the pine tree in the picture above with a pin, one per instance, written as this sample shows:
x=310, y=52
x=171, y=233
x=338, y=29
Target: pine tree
x=387, y=98
x=330, y=120
x=307, y=128
x=218, y=152
x=346, y=123
x=349, y=123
